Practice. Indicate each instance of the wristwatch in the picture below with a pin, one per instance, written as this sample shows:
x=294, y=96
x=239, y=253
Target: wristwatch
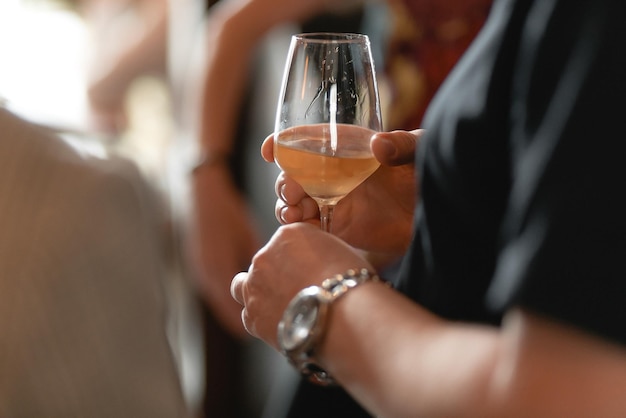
x=303, y=324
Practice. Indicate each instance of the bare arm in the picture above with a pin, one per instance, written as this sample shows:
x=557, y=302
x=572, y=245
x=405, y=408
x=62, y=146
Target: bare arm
x=400, y=360
x=424, y=366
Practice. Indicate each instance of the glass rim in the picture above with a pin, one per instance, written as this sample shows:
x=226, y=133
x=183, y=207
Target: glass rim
x=331, y=37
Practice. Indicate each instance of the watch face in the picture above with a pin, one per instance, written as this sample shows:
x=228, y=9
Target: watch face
x=301, y=318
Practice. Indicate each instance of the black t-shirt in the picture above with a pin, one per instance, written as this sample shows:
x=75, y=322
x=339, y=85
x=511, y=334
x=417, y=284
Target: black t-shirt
x=522, y=172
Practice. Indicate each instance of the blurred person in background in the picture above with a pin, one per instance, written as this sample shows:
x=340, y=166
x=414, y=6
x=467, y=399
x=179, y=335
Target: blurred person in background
x=82, y=306
x=83, y=310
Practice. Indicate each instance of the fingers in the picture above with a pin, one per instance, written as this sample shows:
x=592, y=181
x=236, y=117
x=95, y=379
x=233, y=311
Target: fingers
x=390, y=148
x=306, y=210
x=396, y=147
x=286, y=216
x=236, y=287
x=267, y=149
x=288, y=190
x=293, y=204
x=237, y=293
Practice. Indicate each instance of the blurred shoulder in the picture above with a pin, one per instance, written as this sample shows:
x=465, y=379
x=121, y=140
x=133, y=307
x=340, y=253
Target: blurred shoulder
x=33, y=157
x=44, y=177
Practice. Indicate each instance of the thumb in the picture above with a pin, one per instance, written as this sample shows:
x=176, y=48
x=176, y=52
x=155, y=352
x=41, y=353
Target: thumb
x=396, y=147
x=267, y=148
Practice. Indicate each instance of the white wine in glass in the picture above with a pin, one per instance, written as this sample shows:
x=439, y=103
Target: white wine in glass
x=327, y=112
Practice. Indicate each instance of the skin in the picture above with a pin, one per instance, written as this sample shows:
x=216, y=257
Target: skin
x=423, y=365
x=224, y=235
x=393, y=178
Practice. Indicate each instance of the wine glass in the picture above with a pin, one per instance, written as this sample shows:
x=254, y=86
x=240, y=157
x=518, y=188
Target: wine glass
x=327, y=112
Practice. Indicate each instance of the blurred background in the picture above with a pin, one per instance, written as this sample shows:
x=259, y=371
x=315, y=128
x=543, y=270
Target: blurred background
x=45, y=48
x=56, y=95
x=46, y=68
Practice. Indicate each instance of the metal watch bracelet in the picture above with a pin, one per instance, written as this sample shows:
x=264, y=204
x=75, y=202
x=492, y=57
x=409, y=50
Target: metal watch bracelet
x=336, y=286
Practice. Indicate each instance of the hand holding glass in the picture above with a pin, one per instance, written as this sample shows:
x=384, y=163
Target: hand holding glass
x=327, y=112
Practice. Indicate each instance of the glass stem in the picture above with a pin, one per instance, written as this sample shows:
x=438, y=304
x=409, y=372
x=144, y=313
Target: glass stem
x=326, y=215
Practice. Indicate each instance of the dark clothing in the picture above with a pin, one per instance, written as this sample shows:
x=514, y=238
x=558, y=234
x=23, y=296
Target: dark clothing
x=521, y=169
x=311, y=401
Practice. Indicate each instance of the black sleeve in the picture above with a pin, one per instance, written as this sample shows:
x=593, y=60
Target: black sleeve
x=564, y=246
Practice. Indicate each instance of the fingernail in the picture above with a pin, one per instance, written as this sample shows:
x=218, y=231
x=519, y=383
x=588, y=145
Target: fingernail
x=281, y=214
